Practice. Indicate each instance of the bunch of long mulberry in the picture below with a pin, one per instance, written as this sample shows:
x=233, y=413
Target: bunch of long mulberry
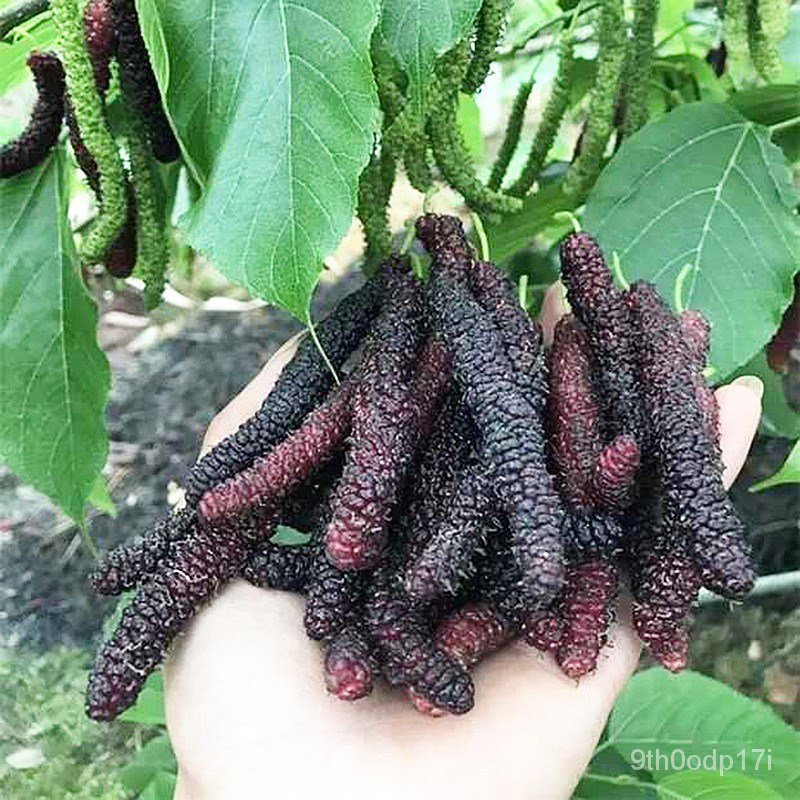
x=460, y=486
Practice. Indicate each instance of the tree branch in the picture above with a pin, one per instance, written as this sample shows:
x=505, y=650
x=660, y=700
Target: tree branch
x=14, y=15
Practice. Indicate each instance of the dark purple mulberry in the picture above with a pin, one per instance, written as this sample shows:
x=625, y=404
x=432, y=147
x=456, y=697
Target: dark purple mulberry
x=448, y=557
x=350, y=663
x=31, y=147
x=601, y=307
x=139, y=83
x=198, y=566
x=665, y=584
x=302, y=384
x=444, y=239
x=437, y=475
x=332, y=596
x=513, y=440
x=125, y=566
x=101, y=40
x=787, y=337
x=273, y=566
x=522, y=335
x=696, y=507
x=405, y=638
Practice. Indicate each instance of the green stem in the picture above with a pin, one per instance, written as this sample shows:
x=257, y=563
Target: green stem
x=570, y=16
x=628, y=780
x=313, y=331
x=480, y=231
x=14, y=15
x=787, y=123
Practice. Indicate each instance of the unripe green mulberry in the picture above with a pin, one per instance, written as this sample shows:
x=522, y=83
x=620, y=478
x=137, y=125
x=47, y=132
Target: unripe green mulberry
x=89, y=113
x=637, y=68
x=554, y=112
x=602, y=104
x=488, y=30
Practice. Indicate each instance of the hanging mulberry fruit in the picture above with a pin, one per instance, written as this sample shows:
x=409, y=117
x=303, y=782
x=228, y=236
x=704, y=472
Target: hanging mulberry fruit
x=31, y=147
x=139, y=83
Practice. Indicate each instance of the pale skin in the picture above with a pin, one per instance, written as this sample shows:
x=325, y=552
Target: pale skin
x=249, y=716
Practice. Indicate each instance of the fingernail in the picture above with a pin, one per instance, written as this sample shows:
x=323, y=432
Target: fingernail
x=751, y=382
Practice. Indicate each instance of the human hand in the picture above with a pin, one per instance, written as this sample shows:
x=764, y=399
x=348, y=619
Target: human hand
x=249, y=717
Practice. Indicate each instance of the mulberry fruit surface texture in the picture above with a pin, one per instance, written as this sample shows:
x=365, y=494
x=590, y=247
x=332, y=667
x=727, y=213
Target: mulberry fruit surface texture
x=31, y=147
x=460, y=485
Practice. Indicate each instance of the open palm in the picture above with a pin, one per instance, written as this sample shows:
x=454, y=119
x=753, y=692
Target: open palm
x=249, y=717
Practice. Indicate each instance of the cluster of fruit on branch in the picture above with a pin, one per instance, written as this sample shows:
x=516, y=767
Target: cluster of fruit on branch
x=102, y=59
x=462, y=485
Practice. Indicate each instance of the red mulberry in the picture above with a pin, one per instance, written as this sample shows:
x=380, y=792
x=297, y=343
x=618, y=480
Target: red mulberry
x=260, y=488
x=101, y=40
x=139, y=83
x=585, y=607
x=573, y=413
x=471, y=633
x=350, y=663
x=614, y=476
x=300, y=387
x=665, y=584
x=31, y=147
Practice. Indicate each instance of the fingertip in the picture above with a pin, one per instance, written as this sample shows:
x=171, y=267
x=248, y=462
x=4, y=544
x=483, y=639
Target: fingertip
x=739, y=414
x=554, y=306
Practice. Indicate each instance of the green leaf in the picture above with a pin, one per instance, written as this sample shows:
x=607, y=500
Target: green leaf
x=516, y=231
x=149, y=707
x=469, y=123
x=162, y=787
x=416, y=33
x=788, y=473
x=100, y=498
x=689, y=715
x=285, y=535
x=672, y=14
x=770, y=105
x=607, y=766
x=149, y=766
x=701, y=203
x=701, y=785
x=275, y=108
x=39, y=34
x=54, y=379
x=778, y=418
